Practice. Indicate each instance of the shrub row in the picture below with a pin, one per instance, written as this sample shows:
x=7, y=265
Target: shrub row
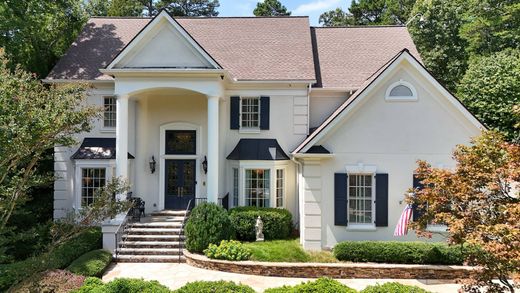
x=325, y=285
x=277, y=222
x=399, y=252
x=59, y=258
x=210, y=224
x=91, y=264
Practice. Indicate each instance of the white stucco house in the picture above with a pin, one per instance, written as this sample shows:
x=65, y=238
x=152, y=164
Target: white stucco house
x=325, y=122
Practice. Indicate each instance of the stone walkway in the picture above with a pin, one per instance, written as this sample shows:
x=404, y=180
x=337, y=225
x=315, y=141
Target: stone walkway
x=176, y=275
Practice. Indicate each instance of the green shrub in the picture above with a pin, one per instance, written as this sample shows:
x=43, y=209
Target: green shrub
x=228, y=250
x=214, y=287
x=277, y=222
x=58, y=258
x=208, y=223
x=399, y=252
x=92, y=263
x=123, y=285
x=325, y=285
x=393, y=287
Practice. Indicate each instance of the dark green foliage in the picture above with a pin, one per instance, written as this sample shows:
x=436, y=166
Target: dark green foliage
x=270, y=8
x=214, y=287
x=399, y=252
x=277, y=222
x=322, y=285
x=58, y=258
x=228, y=250
x=190, y=7
x=208, y=223
x=435, y=31
x=491, y=88
x=123, y=285
x=393, y=287
x=92, y=263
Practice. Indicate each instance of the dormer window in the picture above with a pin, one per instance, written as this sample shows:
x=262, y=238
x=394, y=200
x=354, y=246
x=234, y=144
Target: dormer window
x=401, y=91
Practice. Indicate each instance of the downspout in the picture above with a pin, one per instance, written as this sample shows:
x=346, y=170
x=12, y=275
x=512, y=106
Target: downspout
x=300, y=197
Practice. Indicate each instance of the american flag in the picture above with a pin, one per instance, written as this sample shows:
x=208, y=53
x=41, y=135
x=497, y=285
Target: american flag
x=402, y=226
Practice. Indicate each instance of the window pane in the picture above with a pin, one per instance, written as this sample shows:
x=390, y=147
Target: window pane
x=250, y=112
x=257, y=191
x=180, y=142
x=360, y=199
x=109, y=114
x=91, y=180
x=235, y=187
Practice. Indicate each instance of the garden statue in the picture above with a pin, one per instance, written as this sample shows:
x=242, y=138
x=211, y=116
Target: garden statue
x=259, y=227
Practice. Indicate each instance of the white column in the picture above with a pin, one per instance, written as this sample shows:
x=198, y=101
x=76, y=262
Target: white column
x=213, y=123
x=122, y=139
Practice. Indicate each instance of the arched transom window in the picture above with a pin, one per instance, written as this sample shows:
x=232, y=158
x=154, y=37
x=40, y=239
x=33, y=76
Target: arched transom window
x=401, y=91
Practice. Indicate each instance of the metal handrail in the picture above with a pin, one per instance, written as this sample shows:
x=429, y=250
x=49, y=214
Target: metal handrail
x=119, y=232
x=181, y=232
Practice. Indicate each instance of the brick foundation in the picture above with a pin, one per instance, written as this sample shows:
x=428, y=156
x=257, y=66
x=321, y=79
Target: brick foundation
x=333, y=270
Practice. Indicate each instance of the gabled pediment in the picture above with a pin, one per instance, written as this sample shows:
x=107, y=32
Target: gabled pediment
x=163, y=43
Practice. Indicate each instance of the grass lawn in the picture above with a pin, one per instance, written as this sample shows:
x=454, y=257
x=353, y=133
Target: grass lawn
x=286, y=251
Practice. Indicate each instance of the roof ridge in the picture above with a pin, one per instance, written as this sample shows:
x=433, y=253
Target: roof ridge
x=200, y=17
x=362, y=26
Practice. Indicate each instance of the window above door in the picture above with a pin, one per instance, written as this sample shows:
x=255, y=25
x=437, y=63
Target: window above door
x=180, y=142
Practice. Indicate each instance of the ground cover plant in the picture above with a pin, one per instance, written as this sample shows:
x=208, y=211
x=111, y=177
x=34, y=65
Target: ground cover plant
x=55, y=281
x=92, y=263
x=122, y=285
x=322, y=285
x=288, y=250
x=58, y=258
x=214, y=287
x=399, y=252
x=228, y=250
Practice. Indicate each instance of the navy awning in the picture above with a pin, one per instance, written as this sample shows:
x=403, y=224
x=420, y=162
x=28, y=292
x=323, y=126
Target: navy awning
x=97, y=148
x=257, y=149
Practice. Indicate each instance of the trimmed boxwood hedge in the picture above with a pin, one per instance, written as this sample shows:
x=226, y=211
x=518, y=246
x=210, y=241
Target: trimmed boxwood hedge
x=122, y=285
x=325, y=285
x=59, y=258
x=393, y=287
x=208, y=223
x=214, y=287
x=277, y=222
x=399, y=252
x=92, y=263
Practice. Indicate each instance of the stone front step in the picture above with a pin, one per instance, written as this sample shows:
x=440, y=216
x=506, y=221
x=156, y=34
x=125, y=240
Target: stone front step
x=175, y=225
x=149, y=251
x=150, y=258
x=168, y=213
x=165, y=219
x=153, y=231
x=167, y=238
x=152, y=244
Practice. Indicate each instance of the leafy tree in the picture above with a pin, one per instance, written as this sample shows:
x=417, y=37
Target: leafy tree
x=492, y=26
x=35, y=33
x=370, y=12
x=435, y=31
x=97, y=7
x=336, y=17
x=34, y=119
x=125, y=8
x=190, y=7
x=480, y=205
x=270, y=8
x=491, y=88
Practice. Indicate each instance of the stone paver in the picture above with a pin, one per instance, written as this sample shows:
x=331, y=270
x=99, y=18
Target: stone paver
x=176, y=275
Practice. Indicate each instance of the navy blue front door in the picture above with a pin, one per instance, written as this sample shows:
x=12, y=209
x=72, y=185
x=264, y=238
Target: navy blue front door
x=179, y=184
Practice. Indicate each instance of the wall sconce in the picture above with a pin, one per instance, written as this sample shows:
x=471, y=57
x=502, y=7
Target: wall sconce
x=205, y=165
x=152, y=164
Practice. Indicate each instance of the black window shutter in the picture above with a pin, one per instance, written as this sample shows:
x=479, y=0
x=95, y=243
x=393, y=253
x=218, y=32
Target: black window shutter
x=381, y=200
x=264, y=113
x=417, y=213
x=340, y=199
x=234, y=113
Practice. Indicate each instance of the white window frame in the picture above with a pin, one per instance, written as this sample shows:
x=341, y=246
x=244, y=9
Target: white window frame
x=401, y=82
x=105, y=111
x=242, y=166
x=108, y=165
x=362, y=169
x=264, y=178
x=282, y=189
x=251, y=129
